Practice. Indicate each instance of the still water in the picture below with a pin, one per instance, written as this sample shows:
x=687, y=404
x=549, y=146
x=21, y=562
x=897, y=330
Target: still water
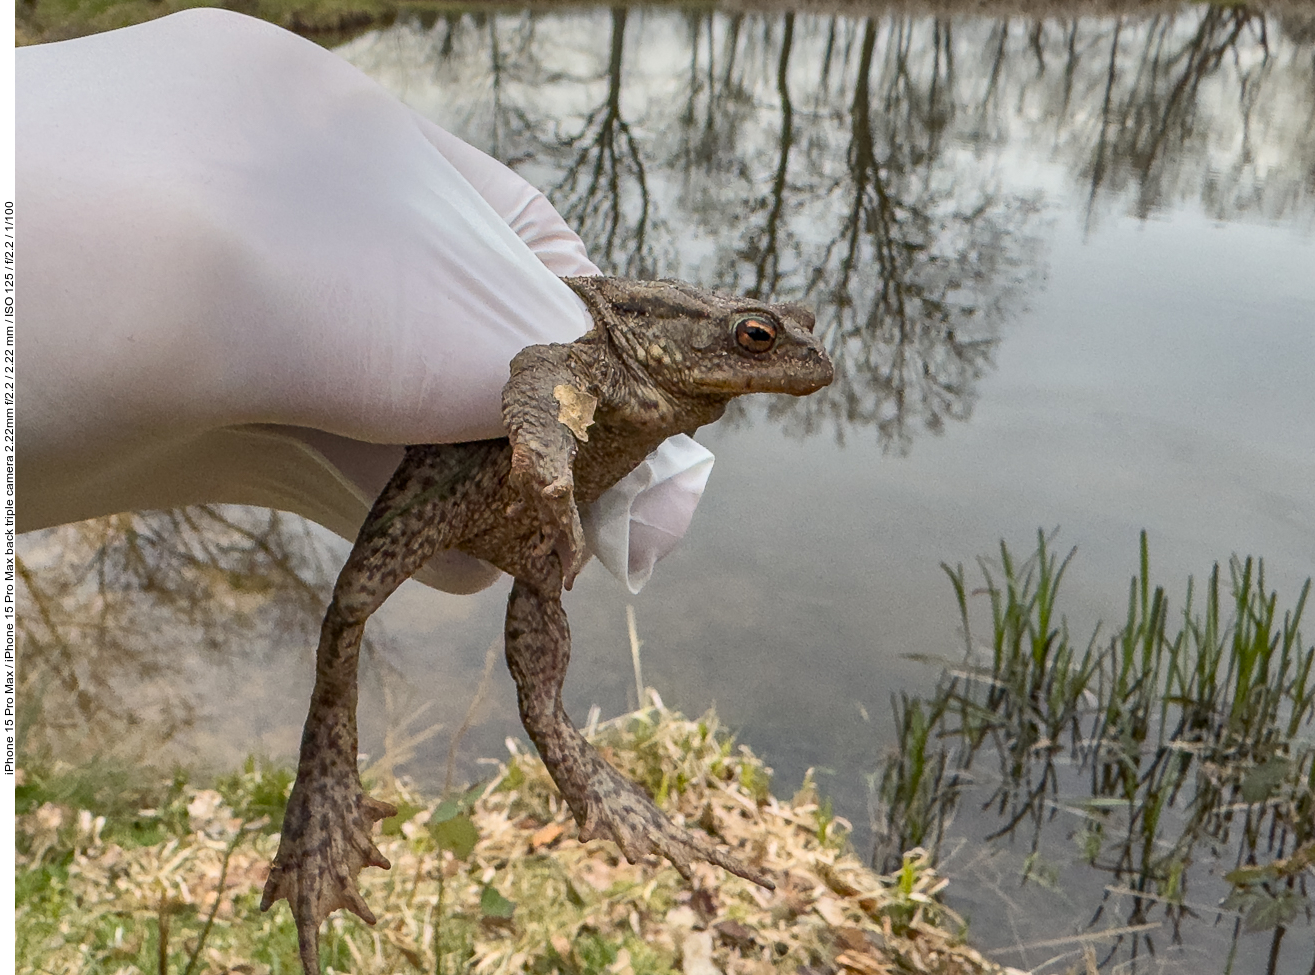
x=1066, y=271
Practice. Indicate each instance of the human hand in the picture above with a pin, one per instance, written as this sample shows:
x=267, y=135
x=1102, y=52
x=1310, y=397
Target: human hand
x=250, y=275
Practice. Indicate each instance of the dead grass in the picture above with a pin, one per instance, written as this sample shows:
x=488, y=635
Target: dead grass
x=492, y=882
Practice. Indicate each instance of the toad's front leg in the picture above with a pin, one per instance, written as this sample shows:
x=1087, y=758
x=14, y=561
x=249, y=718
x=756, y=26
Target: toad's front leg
x=604, y=802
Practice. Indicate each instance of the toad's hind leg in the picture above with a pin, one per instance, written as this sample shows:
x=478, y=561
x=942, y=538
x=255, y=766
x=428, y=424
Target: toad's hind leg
x=326, y=830
x=604, y=802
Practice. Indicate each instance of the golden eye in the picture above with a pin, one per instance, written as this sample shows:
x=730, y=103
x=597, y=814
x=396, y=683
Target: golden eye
x=755, y=334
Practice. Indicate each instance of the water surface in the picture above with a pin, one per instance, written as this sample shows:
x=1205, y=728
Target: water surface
x=1065, y=269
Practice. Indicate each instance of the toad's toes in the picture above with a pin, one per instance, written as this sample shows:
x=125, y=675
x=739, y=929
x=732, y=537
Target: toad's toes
x=325, y=844
x=613, y=807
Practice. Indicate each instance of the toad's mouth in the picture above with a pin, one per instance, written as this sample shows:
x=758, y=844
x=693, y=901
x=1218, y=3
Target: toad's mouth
x=799, y=369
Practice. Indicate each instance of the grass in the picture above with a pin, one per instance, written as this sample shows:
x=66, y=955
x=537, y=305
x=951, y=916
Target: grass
x=489, y=880
x=1185, y=731
x=331, y=21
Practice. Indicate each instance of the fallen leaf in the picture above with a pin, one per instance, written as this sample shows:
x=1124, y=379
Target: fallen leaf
x=622, y=964
x=493, y=905
x=682, y=917
x=696, y=950
x=542, y=837
x=864, y=964
x=831, y=911
x=736, y=935
x=852, y=939
x=577, y=410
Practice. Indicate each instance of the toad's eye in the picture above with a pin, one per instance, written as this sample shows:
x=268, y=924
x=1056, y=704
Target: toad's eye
x=754, y=334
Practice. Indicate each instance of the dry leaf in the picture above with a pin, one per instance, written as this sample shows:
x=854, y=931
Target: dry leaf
x=852, y=939
x=697, y=952
x=542, y=837
x=831, y=911
x=577, y=410
x=736, y=935
x=608, y=896
x=622, y=964
x=864, y=964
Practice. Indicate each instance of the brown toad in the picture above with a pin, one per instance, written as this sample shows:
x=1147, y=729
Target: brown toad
x=662, y=358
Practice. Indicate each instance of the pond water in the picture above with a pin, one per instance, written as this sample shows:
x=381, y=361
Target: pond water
x=1067, y=273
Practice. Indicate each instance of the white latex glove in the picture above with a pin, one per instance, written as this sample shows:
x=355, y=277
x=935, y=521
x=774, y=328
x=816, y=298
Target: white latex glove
x=249, y=274
x=641, y=519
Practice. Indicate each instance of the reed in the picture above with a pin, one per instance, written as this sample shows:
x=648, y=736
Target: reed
x=1183, y=732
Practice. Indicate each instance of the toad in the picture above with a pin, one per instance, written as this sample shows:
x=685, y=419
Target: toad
x=662, y=358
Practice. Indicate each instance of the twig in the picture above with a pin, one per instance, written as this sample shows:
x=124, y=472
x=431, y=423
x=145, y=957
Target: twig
x=490, y=655
x=635, y=644
x=219, y=897
x=1084, y=938
x=163, y=923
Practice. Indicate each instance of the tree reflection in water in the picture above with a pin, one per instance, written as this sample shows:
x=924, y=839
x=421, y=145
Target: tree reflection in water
x=858, y=164
x=606, y=171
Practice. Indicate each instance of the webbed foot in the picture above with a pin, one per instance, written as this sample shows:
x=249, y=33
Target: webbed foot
x=325, y=844
x=609, y=806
